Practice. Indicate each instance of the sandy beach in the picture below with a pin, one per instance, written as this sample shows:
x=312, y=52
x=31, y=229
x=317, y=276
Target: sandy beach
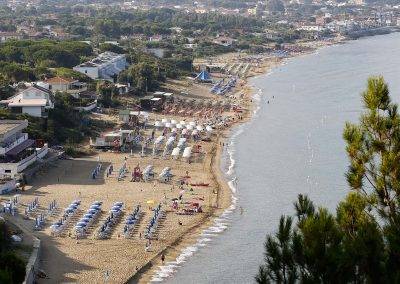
x=118, y=259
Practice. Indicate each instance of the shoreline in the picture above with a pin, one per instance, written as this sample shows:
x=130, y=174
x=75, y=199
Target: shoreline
x=179, y=247
x=225, y=194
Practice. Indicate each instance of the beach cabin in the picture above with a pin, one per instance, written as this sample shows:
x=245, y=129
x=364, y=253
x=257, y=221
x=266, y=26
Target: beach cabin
x=113, y=139
x=151, y=103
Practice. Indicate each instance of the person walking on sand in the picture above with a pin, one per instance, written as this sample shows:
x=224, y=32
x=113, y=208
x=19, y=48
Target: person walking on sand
x=162, y=258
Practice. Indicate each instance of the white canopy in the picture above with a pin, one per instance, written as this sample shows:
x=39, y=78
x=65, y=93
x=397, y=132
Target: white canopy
x=148, y=169
x=164, y=120
x=175, y=151
x=168, y=125
x=179, y=126
x=159, y=140
x=174, y=130
x=173, y=121
x=187, y=152
x=209, y=128
x=192, y=123
x=170, y=141
x=195, y=132
x=184, y=131
x=189, y=127
x=157, y=124
x=199, y=128
x=182, y=122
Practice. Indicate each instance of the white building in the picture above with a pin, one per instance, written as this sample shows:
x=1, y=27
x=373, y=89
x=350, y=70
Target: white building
x=17, y=151
x=113, y=139
x=35, y=101
x=106, y=66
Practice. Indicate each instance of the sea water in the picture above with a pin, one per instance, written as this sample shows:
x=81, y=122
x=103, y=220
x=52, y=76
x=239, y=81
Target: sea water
x=293, y=145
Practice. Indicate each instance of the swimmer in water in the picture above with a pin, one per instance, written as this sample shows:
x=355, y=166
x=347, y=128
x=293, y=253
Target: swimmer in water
x=241, y=210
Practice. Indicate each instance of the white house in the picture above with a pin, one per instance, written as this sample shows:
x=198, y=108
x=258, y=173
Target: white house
x=17, y=151
x=35, y=101
x=60, y=84
x=106, y=66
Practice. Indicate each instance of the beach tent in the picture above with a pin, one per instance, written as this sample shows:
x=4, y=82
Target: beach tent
x=204, y=76
x=175, y=152
x=148, y=173
x=170, y=142
x=181, y=142
x=187, y=153
x=159, y=140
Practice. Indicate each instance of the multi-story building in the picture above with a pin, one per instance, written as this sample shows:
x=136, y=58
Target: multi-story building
x=17, y=151
x=106, y=66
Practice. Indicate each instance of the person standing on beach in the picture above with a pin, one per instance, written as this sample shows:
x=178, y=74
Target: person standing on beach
x=162, y=258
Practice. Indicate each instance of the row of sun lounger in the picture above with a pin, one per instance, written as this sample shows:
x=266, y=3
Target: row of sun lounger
x=113, y=218
x=82, y=226
x=131, y=222
x=59, y=226
x=154, y=222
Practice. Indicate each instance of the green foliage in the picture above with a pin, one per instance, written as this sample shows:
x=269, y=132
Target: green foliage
x=12, y=267
x=106, y=92
x=361, y=243
x=69, y=73
x=111, y=47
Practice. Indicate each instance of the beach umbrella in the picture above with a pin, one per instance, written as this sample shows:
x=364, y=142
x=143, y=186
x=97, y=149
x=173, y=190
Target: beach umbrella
x=182, y=122
x=168, y=125
x=179, y=126
x=199, y=128
x=157, y=124
x=150, y=201
x=97, y=203
x=173, y=121
x=164, y=120
x=192, y=123
x=189, y=127
x=195, y=132
x=174, y=130
x=184, y=131
x=182, y=192
x=209, y=128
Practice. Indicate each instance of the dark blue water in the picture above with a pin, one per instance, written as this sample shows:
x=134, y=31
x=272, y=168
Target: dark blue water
x=293, y=145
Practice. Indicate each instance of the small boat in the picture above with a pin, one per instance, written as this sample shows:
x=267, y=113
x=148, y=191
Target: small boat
x=199, y=184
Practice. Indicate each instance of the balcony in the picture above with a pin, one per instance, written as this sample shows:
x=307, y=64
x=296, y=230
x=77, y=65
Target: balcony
x=20, y=138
